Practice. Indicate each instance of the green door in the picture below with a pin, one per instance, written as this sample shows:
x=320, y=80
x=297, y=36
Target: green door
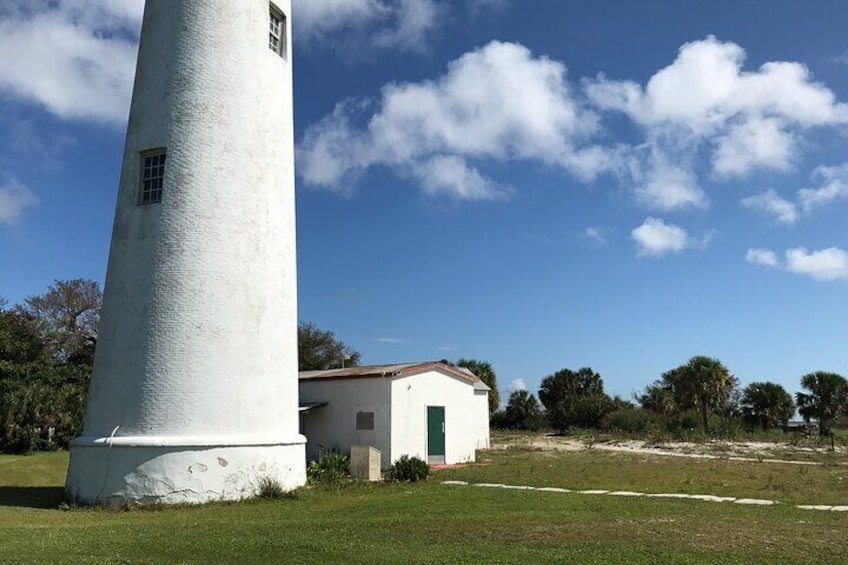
x=436, y=434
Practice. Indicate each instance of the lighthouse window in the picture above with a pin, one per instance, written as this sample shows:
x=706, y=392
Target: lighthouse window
x=277, y=36
x=152, y=176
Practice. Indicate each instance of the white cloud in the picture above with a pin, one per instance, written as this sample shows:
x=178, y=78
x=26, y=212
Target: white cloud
x=655, y=238
x=764, y=257
x=770, y=203
x=824, y=265
x=74, y=57
x=517, y=384
x=387, y=24
x=594, y=234
x=14, y=199
x=437, y=130
x=756, y=142
x=669, y=186
x=705, y=101
x=393, y=340
x=834, y=187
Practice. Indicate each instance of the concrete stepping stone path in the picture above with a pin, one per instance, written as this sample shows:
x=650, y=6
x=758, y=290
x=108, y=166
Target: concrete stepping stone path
x=630, y=494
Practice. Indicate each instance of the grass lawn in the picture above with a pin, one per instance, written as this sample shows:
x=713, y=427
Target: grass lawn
x=433, y=523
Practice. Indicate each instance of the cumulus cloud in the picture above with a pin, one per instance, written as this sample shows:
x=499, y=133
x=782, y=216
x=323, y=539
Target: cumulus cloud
x=825, y=265
x=436, y=131
x=829, y=264
x=765, y=257
x=14, y=199
x=389, y=24
x=517, y=384
x=705, y=101
x=834, y=187
x=76, y=58
x=772, y=204
x=655, y=238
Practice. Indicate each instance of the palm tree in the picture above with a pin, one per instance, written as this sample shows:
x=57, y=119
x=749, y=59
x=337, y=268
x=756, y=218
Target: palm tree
x=768, y=404
x=828, y=394
x=522, y=411
x=703, y=383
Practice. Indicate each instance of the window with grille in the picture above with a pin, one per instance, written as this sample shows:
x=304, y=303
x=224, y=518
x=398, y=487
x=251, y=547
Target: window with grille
x=277, y=36
x=152, y=176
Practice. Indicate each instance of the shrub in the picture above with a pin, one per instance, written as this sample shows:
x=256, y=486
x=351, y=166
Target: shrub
x=636, y=422
x=408, y=469
x=271, y=489
x=330, y=469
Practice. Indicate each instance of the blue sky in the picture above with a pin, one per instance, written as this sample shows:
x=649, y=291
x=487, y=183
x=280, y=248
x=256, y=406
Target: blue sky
x=540, y=184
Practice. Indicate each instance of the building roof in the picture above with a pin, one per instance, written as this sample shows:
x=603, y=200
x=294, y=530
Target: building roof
x=393, y=371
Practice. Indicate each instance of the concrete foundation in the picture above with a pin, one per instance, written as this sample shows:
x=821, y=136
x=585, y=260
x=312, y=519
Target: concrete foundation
x=150, y=470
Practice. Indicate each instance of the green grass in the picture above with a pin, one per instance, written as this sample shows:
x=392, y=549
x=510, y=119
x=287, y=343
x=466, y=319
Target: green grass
x=594, y=469
x=432, y=523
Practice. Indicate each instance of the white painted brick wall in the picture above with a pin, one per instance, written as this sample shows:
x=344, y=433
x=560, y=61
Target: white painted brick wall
x=199, y=323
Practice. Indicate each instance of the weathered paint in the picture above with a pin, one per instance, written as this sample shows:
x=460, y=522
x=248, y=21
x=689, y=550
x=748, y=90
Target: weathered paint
x=197, y=357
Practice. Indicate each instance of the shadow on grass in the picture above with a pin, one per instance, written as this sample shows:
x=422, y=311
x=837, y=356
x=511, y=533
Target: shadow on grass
x=32, y=497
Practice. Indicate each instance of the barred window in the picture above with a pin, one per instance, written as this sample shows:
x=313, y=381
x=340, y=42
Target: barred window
x=277, y=36
x=152, y=176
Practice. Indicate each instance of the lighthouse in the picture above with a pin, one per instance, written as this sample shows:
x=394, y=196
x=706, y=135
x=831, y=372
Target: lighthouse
x=194, y=393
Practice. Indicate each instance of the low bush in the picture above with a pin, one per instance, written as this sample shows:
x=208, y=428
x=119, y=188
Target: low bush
x=408, y=469
x=271, y=489
x=330, y=469
x=632, y=422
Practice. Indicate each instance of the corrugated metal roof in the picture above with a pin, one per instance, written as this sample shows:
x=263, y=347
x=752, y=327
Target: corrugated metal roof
x=396, y=370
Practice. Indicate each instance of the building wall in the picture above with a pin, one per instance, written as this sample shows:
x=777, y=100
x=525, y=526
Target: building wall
x=199, y=333
x=334, y=425
x=481, y=410
x=410, y=398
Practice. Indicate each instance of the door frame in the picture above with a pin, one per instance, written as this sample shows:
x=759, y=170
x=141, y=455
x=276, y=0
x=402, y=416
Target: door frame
x=437, y=458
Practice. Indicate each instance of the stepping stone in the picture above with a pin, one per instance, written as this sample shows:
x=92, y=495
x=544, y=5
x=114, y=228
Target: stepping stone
x=755, y=502
x=514, y=487
x=625, y=493
x=839, y=509
x=814, y=507
x=454, y=483
x=489, y=485
x=593, y=491
x=711, y=498
x=669, y=495
x=553, y=489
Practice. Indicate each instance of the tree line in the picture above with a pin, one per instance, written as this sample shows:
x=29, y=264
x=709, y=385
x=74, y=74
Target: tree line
x=47, y=345
x=701, y=395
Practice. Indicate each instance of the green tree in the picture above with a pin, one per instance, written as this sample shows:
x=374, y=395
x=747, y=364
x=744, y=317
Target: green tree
x=767, y=405
x=826, y=398
x=319, y=349
x=703, y=383
x=523, y=411
x=484, y=371
x=67, y=317
x=46, y=350
x=659, y=399
x=574, y=399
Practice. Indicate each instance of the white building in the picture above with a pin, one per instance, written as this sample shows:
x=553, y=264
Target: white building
x=194, y=391
x=434, y=411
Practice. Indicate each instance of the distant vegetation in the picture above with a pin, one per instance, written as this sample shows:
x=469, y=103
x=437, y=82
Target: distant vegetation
x=700, y=398
x=47, y=345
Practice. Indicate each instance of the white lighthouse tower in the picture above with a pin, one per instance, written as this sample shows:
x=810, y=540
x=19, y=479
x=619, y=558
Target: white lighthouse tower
x=194, y=395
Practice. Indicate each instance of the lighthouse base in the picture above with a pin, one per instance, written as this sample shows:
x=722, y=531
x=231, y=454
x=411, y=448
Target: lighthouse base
x=175, y=470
